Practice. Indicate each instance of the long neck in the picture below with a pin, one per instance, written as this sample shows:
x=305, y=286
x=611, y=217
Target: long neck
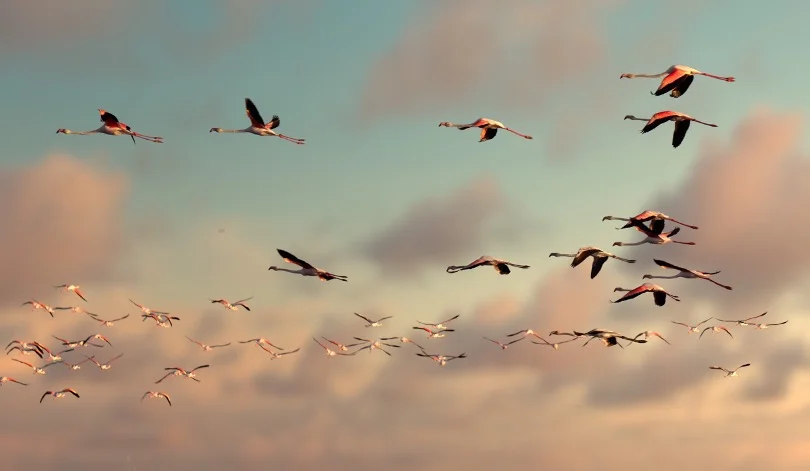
x=646, y=75
x=572, y=255
x=82, y=133
x=614, y=218
x=663, y=277
x=624, y=244
x=232, y=130
x=288, y=270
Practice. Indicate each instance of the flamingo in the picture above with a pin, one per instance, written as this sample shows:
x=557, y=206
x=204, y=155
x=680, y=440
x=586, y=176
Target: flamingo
x=371, y=323
x=258, y=126
x=555, y=345
x=74, y=288
x=599, y=258
x=435, y=335
x=25, y=350
x=6, y=379
x=329, y=352
x=76, y=309
x=729, y=372
x=149, y=311
x=233, y=306
x=489, y=128
x=693, y=328
x=608, y=337
x=207, y=348
x=441, y=359
x=375, y=345
x=651, y=333
x=59, y=394
x=37, y=370
x=685, y=273
x=404, y=340
x=744, y=322
x=161, y=320
x=38, y=305
x=104, y=366
x=340, y=346
x=506, y=345
x=655, y=235
x=306, y=268
x=441, y=325
x=107, y=323
x=765, y=326
x=645, y=216
x=659, y=293
x=501, y=266
x=261, y=341
x=76, y=366
x=274, y=355
x=682, y=121
x=176, y=371
x=157, y=395
x=716, y=329
x=113, y=127
x=52, y=356
x=525, y=332
x=676, y=79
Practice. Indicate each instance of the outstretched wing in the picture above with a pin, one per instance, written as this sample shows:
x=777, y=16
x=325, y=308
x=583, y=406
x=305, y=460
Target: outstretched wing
x=275, y=122
x=253, y=113
x=108, y=118
x=597, y=265
x=664, y=264
x=364, y=318
x=290, y=258
x=448, y=320
x=680, y=132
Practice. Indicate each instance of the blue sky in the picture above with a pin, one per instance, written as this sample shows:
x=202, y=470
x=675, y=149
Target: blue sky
x=174, y=71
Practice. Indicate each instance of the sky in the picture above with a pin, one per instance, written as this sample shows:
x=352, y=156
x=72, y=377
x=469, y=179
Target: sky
x=383, y=195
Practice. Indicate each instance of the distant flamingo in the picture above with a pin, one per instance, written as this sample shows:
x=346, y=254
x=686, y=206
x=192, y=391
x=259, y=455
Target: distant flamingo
x=74, y=288
x=677, y=79
x=258, y=126
x=682, y=122
x=113, y=127
x=59, y=394
x=685, y=273
x=645, y=216
x=655, y=235
x=501, y=266
x=659, y=293
x=306, y=268
x=489, y=128
x=599, y=258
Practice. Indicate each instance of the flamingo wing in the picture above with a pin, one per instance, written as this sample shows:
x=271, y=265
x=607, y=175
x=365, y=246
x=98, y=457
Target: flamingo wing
x=672, y=81
x=680, y=132
x=488, y=133
x=253, y=113
x=274, y=123
x=682, y=86
x=448, y=320
x=633, y=293
x=654, y=122
x=597, y=265
x=108, y=119
x=583, y=254
x=660, y=298
x=290, y=258
x=664, y=264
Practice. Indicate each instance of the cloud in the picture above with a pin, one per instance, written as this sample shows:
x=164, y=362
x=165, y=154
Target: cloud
x=522, y=51
x=748, y=197
x=62, y=223
x=444, y=230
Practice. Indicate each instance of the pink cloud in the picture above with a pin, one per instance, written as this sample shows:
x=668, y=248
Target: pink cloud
x=459, y=49
x=63, y=223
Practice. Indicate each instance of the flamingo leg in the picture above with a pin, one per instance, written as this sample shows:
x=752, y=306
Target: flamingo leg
x=291, y=139
x=524, y=136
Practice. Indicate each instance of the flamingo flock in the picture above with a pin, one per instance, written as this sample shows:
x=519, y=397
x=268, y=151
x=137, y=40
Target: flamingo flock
x=675, y=81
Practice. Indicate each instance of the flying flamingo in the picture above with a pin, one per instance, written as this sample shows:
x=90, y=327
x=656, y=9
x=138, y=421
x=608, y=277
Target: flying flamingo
x=608, y=337
x=38, y=305
x=441, y=359
x=37, y=370
x=489, y=128
x=258, y=126
x=655, y=235
x=59, y=394
x=274, y=355
x=157, y=395
x=76, y=366
x=52, y=356
x=441, y=325
x=6, y=379
x=207, y=348
x=306, y=268
x=329, y=351
x=403, y=340
x=693, y=328
x=233, y=306
x=147, y=310
x=676, y=79
x=599, y=258
x=25, y=350
x=765, y=326
x=685, y=273
x=501, y=266
x=340, y=346
x=716, y=329
x=261, y=341
x=682, y=121
x=371, y=323
x=375, y=345
x=434, y=335
x=525, y=332
x=76, y=309
x=74, y=288
x=113, y=127
x=743, y=322
x=176, y=371
x=729, y=372
x=106, y=323
x=645, y=216
x=104, y=366
x=506, y=345
x=651, y=333
x=659, y=293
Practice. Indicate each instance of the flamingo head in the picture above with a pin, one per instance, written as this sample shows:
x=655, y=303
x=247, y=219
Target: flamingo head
x=646, y=277
x=273, y=268
x=617, y=244
x=445, y=124
x=61, y=130
x=215, y=130
x=627, y=76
